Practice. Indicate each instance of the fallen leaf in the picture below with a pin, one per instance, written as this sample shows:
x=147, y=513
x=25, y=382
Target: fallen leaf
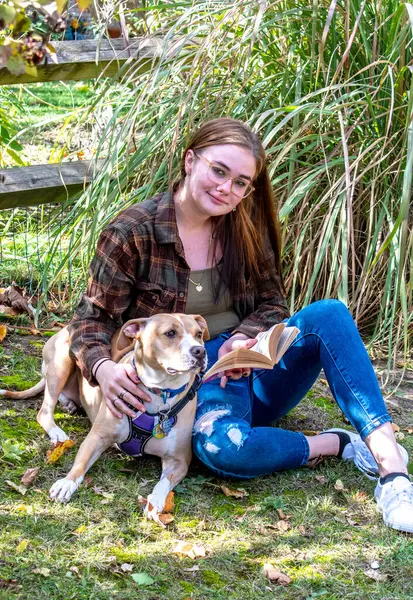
x=80, y=530
x=76, y=571
x=347, y=536
x=166, y=518
x=376, y=575
x=169, y=503
x=234, y=493
x=192, y=569
x=22, y=546
x=87, y=482
x=142, y=579
x=190, y=550
x=9, y=584
x=126, y=568
x=339, y=486
x=374, y=564
x=30, y=476
x=8, y=310
x=3, y=332
x=52, y=456
x=274, y=575
x=100, y=492
x=282, y=515
x=302, y=531
x=283, y=525
x=409, y=430
x=321, y=479
x=42, y=571
x=13, y=298
x=395, y=427
x=22, y=489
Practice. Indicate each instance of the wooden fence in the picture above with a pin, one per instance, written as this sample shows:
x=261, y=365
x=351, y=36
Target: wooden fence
x=81, y=60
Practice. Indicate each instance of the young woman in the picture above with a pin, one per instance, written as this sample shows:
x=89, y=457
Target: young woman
x=211, y=245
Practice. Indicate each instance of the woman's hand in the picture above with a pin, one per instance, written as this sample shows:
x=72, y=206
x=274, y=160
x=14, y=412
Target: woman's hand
x=118, y=383
x=239, y=340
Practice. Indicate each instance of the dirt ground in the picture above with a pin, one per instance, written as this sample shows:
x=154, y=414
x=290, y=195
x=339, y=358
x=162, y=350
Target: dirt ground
x=317, y=412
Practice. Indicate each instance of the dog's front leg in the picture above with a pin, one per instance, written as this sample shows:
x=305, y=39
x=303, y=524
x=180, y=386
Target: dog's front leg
x=173, y=472
x=96, y=442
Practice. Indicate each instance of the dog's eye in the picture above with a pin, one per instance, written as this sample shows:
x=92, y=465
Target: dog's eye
x=171, y=333
x=199, y=335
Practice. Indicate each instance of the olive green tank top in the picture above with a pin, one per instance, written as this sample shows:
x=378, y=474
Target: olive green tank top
x=220, y=317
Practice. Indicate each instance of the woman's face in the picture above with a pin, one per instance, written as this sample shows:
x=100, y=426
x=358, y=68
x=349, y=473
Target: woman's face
x=214, y=198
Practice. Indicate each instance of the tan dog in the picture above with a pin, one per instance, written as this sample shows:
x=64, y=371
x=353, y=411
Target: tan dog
x=168, y=354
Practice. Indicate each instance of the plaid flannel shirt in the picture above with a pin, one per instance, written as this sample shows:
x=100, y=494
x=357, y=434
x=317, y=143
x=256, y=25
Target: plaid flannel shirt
x=139, y=269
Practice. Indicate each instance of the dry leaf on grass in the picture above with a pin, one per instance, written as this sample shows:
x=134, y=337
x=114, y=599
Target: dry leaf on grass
x=30, y=476
x=22, y=546
x=274, y=575
x=8, y=310
x=3, y=332
x=321, y=479
x=339, y=486
x=280, y=526
x=169, y=503
x=52, y=456
x=9, y=584
x=409, y=429
x=234, y=493
x=192, y=569
x=395, y=427
x=76, y=571
x=80, y=530
x=42, y=571
x=166, y=518
x=126, y=568
x=190, y=550
x=100, y=492
x=376, y=575
x=13, y=298
x=282, y=516
x=22, y=489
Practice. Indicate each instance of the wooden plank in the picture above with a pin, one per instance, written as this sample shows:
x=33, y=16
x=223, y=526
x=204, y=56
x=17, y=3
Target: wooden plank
x=40, y=184
x=87, y=59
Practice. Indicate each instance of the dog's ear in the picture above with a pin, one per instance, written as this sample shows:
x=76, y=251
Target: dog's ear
x=124, y=339
x=133, y=329
x=203, y=325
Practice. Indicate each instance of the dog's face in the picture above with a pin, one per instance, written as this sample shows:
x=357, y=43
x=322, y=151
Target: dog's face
x=173, y=343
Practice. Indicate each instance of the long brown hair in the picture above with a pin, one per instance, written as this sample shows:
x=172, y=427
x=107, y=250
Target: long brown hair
x=245, y=233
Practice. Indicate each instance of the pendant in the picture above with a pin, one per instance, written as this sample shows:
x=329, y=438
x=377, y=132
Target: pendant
x=199, y=288
x=158, y=432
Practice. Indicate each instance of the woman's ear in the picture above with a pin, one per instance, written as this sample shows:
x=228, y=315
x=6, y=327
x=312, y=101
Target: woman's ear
x=189, y=161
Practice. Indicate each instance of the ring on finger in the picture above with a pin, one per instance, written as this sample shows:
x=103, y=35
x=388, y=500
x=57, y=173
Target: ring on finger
x=122, y=395
x=115, y=399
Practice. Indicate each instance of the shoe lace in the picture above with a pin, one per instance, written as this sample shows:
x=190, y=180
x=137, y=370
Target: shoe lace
x=399, y=495
x=364, y=460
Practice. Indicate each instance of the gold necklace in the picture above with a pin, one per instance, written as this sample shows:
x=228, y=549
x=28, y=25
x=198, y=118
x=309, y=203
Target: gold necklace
x=198, y=286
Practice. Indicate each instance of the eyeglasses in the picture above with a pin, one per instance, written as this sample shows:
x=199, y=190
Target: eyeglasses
x=218, y=174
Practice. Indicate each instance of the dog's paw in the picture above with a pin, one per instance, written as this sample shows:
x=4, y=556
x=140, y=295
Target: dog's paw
x=57, y=435
x=152, y=513
x=62, y=490
x=67, y=405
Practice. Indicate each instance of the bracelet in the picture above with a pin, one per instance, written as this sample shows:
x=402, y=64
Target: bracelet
x=101, y=363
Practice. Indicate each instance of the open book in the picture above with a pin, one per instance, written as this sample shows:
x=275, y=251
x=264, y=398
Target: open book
x=266, y=353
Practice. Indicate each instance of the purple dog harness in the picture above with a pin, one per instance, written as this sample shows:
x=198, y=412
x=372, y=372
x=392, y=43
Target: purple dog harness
x=143, y=427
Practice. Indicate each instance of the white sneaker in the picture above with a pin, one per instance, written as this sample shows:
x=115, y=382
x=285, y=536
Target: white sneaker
x=358, y=452
x=395, y=502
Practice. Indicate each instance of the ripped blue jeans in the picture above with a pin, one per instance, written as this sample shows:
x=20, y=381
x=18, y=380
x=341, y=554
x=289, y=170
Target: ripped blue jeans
x=231, y=434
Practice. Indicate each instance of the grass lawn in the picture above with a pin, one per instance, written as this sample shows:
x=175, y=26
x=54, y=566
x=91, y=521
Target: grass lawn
x=92, y=547
x=43, y=114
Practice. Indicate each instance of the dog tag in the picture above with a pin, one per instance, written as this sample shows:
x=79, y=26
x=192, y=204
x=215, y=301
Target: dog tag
x=158, y=432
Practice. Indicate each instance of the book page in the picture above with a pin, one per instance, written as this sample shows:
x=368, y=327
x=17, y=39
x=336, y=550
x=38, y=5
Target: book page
x=286, y=339
x=267, y=343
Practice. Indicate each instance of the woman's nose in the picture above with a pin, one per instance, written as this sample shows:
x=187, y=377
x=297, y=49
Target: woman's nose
x=225, y=186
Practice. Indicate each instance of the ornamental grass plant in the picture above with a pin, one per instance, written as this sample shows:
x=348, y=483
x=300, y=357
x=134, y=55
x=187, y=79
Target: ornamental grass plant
x=328, y=88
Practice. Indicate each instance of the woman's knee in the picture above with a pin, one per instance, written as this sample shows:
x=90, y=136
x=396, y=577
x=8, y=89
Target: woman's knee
x=217, y=441
x=331, y=312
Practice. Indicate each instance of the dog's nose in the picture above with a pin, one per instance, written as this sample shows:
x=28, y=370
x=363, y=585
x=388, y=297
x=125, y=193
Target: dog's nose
x=198, y=352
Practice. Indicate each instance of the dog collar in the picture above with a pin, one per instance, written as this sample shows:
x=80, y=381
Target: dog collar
x=164, y=393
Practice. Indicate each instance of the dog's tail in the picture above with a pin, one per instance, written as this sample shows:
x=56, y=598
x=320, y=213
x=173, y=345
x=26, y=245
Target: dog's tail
x=30, y=393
